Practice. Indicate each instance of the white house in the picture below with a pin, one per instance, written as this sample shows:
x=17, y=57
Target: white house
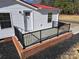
x=26, y=17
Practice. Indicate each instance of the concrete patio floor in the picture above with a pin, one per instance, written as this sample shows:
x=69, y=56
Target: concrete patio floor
x=75, y=28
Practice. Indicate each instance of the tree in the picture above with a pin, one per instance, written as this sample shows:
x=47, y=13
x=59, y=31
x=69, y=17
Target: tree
x=68, y=6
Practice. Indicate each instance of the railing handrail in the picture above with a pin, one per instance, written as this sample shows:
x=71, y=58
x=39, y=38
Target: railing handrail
x=38, y=30
x=43, y=29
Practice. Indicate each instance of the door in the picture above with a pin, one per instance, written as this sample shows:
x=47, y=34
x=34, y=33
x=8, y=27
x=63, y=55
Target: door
x=27, y=21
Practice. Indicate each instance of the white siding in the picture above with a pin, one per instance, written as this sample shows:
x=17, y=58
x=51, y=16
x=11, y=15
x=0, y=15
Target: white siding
x=17, y=18
x=4, y=33
x=55, y=15
x=41, y=19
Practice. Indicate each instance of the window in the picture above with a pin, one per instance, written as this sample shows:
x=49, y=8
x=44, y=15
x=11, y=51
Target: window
x=27, y=13
x=5, y=20
x=49, y=17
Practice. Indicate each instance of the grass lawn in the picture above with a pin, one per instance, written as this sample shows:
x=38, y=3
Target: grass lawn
x=72, y=18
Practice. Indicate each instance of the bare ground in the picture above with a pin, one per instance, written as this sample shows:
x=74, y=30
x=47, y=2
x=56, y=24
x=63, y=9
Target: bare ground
x=70, y=18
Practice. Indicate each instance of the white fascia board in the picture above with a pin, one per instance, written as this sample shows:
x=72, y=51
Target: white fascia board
x=27, y=4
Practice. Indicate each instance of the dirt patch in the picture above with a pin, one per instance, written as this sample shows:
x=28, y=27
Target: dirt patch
x=71, y=18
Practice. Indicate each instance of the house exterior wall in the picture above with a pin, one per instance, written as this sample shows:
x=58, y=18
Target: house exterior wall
x=55, y=17
x=17, y=19
x=8, y=32
x=41, y=19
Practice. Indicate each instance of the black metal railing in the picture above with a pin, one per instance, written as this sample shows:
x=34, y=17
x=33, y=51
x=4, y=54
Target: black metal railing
x=34, y=37
x=39, y=36
x=63, y=27
x=19, y=35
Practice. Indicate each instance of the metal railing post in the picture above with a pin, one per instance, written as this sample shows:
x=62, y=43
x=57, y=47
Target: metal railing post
x=57, y=31
x=52, y=24
x=69, y=28
x=40, y=36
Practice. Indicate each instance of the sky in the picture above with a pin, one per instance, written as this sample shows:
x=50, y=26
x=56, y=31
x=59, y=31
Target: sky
x=29, y=1
x=33, y=1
